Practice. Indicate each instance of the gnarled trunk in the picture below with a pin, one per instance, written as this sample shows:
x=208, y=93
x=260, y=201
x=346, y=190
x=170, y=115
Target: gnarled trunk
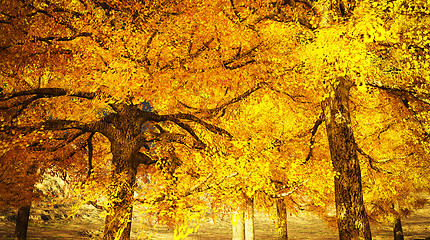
x=22, y=222
x=282, y=219
x=121, y=193
x=351, y=215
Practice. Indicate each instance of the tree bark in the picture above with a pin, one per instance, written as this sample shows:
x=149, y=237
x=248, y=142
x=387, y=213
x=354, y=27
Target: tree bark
x=352, y=219
x=398, y=231
x=238, y=225
x=249, y=219
x=282, y=219
x=22, y=222
x=121, y=192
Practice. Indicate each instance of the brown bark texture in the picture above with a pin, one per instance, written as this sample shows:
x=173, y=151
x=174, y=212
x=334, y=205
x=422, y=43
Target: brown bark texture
x=352, y=219
x=22, y=222
x=398, y=231
x=282, y=219
x=121, y=192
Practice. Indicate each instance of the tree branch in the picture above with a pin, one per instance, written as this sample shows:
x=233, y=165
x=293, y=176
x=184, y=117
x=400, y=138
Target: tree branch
x=46, y=93
x=98, y=126
x=240, y=56
x=371, y=160
x=244, y=95
x=422, y=95
x=144, y=159
x=197, y=187
x=295, y=98
x=193, y=118
x=90, y=154
x=236, y=12
x=23, y=105
x=289, y=192
x=69, y=139
x=318, y=122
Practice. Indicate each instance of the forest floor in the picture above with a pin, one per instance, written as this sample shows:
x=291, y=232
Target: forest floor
x=88, y=223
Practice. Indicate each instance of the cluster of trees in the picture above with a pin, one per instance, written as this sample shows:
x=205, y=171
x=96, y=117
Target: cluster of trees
x=300, y=103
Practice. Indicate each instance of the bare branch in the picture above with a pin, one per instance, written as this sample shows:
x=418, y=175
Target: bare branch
x=236, y=12
x=394, y=158
x=94, y=204
x=144, y=159
x=295, y=98
x=197, y=187
x=314, y=132
x=69, y=139
x=69, y=154
x=47, y=92
x=241, y=56
x=236, y=99
x=199, y=51
x=421, y=95
x=23, y=106
x=98, y=126
x=207, y=187
x=193, y=118
x=187, y=128
x=90, y=154
x=289, y=192
x=148, y=44
x=371, y=160
x=192, y=56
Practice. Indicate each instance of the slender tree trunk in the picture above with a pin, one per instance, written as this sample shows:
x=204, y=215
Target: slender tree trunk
x=282, y=219
x=22, y=222
x=121, y=195
x=238, y=225
x=398, y=231
x=249, y=219
x=351, y=215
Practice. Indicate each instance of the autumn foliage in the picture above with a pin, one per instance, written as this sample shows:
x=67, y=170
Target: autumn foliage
x=174, y=104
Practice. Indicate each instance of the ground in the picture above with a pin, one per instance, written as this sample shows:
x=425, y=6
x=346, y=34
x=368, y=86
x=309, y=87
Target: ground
x=87, y=223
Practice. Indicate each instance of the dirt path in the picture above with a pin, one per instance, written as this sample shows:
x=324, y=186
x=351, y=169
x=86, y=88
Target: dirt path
x=415, y=227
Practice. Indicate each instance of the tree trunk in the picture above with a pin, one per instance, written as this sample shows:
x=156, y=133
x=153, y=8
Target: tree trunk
x=238, y=225
x=249, y=219
x=121, y=193
x=282, y=219
x=351, y=215
x=398, y=231
x=22, y=222
x=118, y=220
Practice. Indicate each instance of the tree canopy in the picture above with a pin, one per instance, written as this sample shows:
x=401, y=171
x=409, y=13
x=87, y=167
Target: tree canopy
x=238, y=94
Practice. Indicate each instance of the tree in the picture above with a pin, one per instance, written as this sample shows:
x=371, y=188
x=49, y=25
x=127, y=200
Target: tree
x=343, y=146
x=282, y=220
x=21, y=170
x=341, y=45
x=199, y=64
x=73, y=67
x=18, y=177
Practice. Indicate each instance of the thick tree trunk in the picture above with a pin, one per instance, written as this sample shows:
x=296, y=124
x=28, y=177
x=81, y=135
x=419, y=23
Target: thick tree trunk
x=121, y=195
x=22, y=222
x=282, y=219
x=238, y=225
x=398, y=231
x=249, y=219
x=351, y=215
x=118, y=220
